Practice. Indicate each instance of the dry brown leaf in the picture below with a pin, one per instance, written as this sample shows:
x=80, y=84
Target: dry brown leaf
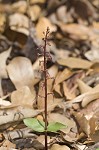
x=34, y=12
x=83, y=122
x=62, y=75
x=7, y=145
x=42, y=25
x=20, y=7
x=59, y=147
x=68, y=92
x=88, y=118
x=74, y=63
x=76, y=31
x=20, y=72
x=95, y=136
x=86, y=98
x=57, y=89
x=19, y=23
x=83, y=87
x=95, y=67
x=90, y=97
x=62, y=119
x=93, y=55
x=23, y=97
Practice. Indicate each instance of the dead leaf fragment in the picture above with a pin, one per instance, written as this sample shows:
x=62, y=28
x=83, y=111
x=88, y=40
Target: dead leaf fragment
x=19, y=7
x=19, y=23
x=76, y=31
x=68, y=92
x=20, y=72
x=74, y=63
x=7, y=145
x=23, y=97
x=4, y=102
x=83, y=87
x=61, y=76
x=59, y=147
x=42, y=26
x=34, y=12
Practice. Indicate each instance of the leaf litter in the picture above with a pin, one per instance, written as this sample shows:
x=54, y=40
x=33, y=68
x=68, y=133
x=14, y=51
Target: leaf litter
x=74, y=72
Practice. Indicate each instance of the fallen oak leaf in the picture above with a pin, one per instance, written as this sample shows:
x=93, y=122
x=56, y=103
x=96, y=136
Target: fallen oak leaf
x=75, y=63
x=20, y=72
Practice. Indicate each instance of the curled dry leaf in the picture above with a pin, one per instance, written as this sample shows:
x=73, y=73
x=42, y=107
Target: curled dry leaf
x=23, y=97
x=68, y=93
x=42, y=26
x=83, y=87
x=20, y=72
x=4, y=102
x=86, y=98
x=90, y=97
x=59, y=147
x=19, y=23
x=74, y=63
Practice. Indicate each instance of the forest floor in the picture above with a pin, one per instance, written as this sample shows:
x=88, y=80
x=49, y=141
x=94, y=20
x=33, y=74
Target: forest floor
x=73, y=73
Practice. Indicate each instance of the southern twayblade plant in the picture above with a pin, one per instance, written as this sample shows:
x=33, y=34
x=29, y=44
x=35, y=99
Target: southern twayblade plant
x=33, y=123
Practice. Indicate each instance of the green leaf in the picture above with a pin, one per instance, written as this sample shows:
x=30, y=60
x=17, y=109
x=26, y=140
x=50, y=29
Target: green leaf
x=97, y=149
x=55, y=126
x=34, y=124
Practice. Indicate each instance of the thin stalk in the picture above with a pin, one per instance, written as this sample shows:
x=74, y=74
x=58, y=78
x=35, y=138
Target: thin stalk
x=45, y=78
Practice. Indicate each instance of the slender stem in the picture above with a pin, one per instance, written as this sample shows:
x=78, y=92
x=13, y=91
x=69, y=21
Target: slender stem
x=45, y=78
